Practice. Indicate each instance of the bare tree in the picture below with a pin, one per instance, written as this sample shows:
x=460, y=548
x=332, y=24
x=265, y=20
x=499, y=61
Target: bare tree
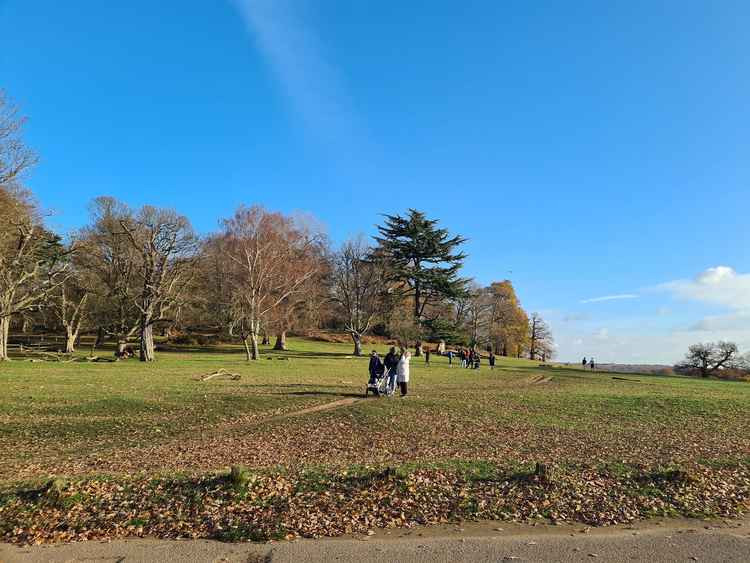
x=69, y=305
x=540, y=337
x=167, y=249
x=31, y=264
x=478, y=309
x=709, y=358
x=111, y=263
x=357, y=285
x=265, y=263
x=16, y=159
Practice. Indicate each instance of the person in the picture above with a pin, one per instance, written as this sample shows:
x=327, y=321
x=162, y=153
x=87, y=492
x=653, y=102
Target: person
x=470, y=359
x=391, y=361
x=427, y=356
x=402, y=371
x=450, y=358
x=462, y=355
x=492, y=360
x=583, y=362
x=591, y=364
x=477, y=359
x=376, y=366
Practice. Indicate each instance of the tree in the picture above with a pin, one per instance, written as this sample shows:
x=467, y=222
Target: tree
x=478, y=309
x=16, y=159
x=540, y=338
x=69, y=304
x=708, y=358
x=508, y=325
x=357, y=287
x=111, y=263
x=422, y=260
x=166, y=247
x=264, y=264
x=31, y=264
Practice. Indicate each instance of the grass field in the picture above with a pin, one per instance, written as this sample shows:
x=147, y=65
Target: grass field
x=643, y=437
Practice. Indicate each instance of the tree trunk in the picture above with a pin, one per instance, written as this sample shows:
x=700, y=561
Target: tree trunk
x=254, y=340
x=70, y=340
x=25, y=325
x=357, y=343
x=99, y=337
x=147, y=341
x=4, y=331
x=248, y=356
x=266, y=340
x=280, y=341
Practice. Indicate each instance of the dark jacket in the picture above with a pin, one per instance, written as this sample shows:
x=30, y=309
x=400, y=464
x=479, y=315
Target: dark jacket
x=391, y=361
x=376, y=366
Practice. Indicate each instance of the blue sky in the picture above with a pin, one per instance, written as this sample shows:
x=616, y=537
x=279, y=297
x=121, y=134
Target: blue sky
x=593, y=149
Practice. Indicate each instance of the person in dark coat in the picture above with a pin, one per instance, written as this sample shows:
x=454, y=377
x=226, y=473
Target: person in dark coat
x=492, y=360
x=376, y=366
x=391, y=361
x=427, y=356
x=450, y=358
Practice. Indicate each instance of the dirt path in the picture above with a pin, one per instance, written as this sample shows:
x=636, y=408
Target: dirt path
x=318, y=408
x=654, y=542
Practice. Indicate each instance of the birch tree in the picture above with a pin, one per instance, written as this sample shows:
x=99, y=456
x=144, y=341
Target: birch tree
x=265, y=262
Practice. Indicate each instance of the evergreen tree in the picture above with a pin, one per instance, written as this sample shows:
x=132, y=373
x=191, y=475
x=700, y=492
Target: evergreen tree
x=422, y=260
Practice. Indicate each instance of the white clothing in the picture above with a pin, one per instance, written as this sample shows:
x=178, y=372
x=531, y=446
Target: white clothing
x=402, y=369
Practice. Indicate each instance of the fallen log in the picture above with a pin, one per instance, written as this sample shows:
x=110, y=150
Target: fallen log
x=219, y=373
x=625, y=379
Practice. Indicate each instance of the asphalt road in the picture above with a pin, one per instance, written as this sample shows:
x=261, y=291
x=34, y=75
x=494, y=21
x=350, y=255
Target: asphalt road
x=670, y=540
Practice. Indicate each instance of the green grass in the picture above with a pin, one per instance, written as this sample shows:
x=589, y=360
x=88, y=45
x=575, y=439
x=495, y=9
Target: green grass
x=87, y=418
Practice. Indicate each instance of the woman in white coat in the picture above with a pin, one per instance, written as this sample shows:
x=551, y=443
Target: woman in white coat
x=402, y=372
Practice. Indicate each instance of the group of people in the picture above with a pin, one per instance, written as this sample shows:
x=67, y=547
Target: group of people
x=395, y=366
x=590, y=362
x=470, y=358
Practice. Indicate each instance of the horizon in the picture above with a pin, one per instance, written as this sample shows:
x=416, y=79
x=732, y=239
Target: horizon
x=596, y=156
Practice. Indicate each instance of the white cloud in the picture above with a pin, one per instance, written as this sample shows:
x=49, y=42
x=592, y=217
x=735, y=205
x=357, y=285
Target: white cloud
x=720, y=285
x=610, y=298
x=736, y=321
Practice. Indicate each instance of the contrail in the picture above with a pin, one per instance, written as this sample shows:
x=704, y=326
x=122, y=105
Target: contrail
x=311, y=83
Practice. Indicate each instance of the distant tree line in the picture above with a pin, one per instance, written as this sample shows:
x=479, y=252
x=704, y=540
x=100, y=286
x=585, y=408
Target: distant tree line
x=130, y=273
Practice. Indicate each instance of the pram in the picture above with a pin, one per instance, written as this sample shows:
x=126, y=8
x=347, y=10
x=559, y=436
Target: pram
x=378, y=385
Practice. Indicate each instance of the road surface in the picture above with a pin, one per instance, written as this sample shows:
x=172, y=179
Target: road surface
x=667, y=540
